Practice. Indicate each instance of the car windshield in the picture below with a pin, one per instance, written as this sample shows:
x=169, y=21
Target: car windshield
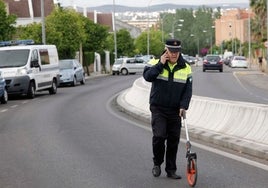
x=66, y=65
x=213, y=58
x=240, y=58
x=13, y=58
x=118, y=61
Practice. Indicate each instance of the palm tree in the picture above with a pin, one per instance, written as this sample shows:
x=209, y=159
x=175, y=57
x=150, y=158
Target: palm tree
x=259, y=22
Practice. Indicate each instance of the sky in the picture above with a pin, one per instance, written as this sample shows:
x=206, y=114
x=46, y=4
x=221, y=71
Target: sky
x=145, y=3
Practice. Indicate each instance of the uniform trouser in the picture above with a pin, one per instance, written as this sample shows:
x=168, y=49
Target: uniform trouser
x=166, y=127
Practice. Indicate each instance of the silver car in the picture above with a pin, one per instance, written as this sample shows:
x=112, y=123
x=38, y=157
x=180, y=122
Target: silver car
x=71, y=72
x=3, y=91
x=128, y=66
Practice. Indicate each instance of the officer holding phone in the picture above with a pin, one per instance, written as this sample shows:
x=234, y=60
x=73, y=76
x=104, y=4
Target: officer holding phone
x=170, y=97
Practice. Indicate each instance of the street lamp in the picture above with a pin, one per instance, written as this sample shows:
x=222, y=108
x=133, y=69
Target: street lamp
x=148, y=29
x=43, y=22
x=192, y=35
x=249, y=40
x=212, y=27
x=162, y=27
x=231, y=33
x=173, y=25
x=114, y=28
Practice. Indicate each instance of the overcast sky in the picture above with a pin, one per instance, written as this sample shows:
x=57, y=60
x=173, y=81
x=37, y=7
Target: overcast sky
x=145, y=3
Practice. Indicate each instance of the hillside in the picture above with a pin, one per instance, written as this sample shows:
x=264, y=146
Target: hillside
x=156, y=8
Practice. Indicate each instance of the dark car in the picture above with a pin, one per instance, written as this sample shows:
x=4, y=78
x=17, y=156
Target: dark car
x=212, y=62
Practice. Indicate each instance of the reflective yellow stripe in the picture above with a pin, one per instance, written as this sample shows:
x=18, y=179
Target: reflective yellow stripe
x=179, y=76
x=153, y=61
x=161, y=77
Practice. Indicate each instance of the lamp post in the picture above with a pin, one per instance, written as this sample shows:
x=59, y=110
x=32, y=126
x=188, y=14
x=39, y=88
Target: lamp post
x=114, y=28
x=231, y=34
x=148, y=29
x=43, y=22
x=173, y=25
x=249, y=38
x=192, y=35
x=211, y=38
x=162, y=27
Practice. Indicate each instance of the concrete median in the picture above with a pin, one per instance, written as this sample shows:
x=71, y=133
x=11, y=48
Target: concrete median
x=237, y=125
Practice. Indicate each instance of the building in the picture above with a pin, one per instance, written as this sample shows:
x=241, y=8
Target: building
x=233, y=24
x=28, y=11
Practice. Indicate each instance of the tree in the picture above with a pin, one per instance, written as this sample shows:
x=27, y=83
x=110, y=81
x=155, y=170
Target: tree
x=259, y=22
x=155, y=43
x=124, y=41
x=96, y=35
x=7, y=22
x=190, y=29
x=32, y=31
x=66, y=30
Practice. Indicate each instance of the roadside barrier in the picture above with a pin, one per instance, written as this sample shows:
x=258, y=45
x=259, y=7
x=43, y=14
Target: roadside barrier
x=237, y=125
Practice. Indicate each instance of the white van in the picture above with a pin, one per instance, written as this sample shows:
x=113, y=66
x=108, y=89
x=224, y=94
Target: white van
x=30, y=68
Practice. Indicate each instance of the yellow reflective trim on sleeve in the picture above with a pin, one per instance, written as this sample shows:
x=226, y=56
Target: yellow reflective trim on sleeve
x=153, y=61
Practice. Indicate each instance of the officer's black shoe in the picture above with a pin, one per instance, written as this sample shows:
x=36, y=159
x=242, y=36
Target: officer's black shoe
x=173, y=176
x=156, y=171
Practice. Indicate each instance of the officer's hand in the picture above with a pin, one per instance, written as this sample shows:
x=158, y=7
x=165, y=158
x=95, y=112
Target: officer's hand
x=182, y=113
x=164, y=57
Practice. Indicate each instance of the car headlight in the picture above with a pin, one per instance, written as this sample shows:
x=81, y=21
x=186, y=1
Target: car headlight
x=21, y=72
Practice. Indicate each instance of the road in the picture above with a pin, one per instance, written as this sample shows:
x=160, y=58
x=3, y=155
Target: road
x=232, y=84
x=77, y=138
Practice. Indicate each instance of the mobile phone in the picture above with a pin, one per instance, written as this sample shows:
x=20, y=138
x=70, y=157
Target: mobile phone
x=164, y=51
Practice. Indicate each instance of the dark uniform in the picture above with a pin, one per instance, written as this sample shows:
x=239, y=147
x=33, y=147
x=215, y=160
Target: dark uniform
x=171, y=90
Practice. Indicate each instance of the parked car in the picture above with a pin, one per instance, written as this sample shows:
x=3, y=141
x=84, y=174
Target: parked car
x=227, y=60
x=190, y=59
x=128, y=65
x=3, y=90
x=212, y=62
x=71, y=72
x=239, y=61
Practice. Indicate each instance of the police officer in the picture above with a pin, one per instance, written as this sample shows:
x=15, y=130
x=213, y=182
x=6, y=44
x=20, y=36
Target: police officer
x=170, y=96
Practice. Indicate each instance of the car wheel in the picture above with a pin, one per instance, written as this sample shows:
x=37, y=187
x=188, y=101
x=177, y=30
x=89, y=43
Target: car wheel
x=4, y=98
x=220, y=70
x=31, y=91
x=74, y=82
x=83, y=81
x=204, y=70
x=53, y=89
x=124, y=71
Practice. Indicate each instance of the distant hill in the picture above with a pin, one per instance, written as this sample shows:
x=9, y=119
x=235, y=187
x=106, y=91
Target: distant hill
x=161, y=7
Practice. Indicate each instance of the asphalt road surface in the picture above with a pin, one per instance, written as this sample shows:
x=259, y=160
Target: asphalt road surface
x=77, y=139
